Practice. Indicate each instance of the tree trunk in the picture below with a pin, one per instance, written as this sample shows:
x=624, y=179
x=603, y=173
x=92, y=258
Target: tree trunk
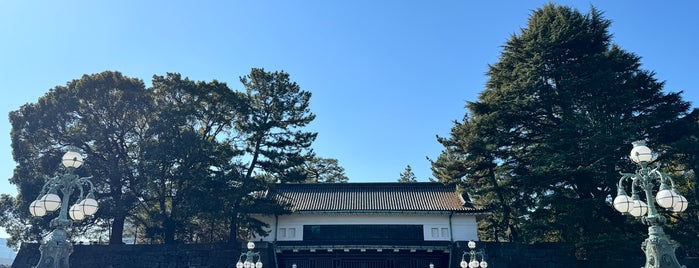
x=168, y=231
x=506, y=209
x=117, y=234
x=233, y=229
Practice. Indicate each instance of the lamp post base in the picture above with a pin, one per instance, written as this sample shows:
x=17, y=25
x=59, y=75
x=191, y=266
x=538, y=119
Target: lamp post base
x=659, y=249
x=55, y=253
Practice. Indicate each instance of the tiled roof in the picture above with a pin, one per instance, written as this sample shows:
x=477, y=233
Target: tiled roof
x=371, y=197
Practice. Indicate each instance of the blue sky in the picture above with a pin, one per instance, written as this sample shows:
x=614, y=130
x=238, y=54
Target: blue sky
x=386, y=76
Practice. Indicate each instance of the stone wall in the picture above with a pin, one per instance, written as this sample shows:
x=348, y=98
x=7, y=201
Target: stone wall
x=148, y=256
x=499, y=255
x=550, y=255
x=546, y=255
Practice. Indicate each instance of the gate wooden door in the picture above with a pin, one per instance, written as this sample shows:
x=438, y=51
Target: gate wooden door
x=363, y=264
x=363, y=260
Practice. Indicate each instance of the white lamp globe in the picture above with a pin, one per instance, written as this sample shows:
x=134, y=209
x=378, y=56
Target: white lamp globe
x=89, y=206
x=51, y=201
x=251, y=245
x=247, y=264
x=258, y=264
x=484, y=264
x=473, y=264
x=463, y=264
x=681, y=204
x=666, y=198
x=76, y=213
x=37, y=209
x=639, y=208
x=239, y=265
x=72, y=160
x=623, y=203
x=640, y=152
x=471, y=244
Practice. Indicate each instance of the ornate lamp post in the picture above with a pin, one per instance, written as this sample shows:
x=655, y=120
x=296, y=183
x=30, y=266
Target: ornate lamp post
x=249, y=259
x=659, y=249
x=473, y=261
x=56, y=251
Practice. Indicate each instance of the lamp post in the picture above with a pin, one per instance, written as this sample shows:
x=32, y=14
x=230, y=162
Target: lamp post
x=473, y=261
x=56, y=251
x=249, y=259
x=658, y=247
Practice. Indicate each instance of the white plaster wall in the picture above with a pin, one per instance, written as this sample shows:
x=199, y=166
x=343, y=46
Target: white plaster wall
x=465, y=227
x=436, y=227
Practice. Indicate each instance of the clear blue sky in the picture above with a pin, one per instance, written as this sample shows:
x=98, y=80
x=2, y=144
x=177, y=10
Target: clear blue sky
x=386, y=76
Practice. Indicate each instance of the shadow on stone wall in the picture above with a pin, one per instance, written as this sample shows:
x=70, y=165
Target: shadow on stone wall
x=148, y=256
x=499, y=255
x=548, y=255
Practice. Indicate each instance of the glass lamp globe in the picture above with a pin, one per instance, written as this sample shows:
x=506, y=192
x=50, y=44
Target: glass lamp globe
x=247, y=264
x=89, y=206
x=258, y=264
x=639, y=208
x=666, y=198
x=36, y=208
x=640, y=152
x=76, y=213
x=471, y=244
x=251, y=245
x=239, y=265
x=473, y=264
x=72, y=160
x=463, y=264
x=51, y=201
x=484, y=264
x=681, y=204
x=623, y=203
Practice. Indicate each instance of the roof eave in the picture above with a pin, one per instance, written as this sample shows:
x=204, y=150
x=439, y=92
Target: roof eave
x=427, y=212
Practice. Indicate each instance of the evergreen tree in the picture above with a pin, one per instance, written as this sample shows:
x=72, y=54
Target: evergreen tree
x=324, y=170
x=407, y=175
x=101, y=115
x=182, y=158
x=182, y=161
x=547, y=137
x=270, y=132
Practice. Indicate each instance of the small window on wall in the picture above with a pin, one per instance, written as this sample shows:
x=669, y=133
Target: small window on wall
x=291, y=233
x=282, y=232
x=445, y=232
x=440, y=233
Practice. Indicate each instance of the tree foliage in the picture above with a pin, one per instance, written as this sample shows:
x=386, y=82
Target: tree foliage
x=407, y=175
x=180, y=161
x=101, y=115
x=324, y=170
x=544, y=142
x=270, y=133
x=183, y=160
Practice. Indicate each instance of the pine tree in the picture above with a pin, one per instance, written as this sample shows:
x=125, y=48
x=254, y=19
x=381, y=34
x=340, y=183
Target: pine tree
x=271, y=134
x=546, y=139
x=407, y=175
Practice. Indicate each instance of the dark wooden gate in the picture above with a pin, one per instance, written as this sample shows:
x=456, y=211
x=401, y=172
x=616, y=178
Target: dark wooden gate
x=357, y=259
x=366, y=263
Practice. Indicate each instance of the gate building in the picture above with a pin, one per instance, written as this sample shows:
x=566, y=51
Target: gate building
x=369, y=225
